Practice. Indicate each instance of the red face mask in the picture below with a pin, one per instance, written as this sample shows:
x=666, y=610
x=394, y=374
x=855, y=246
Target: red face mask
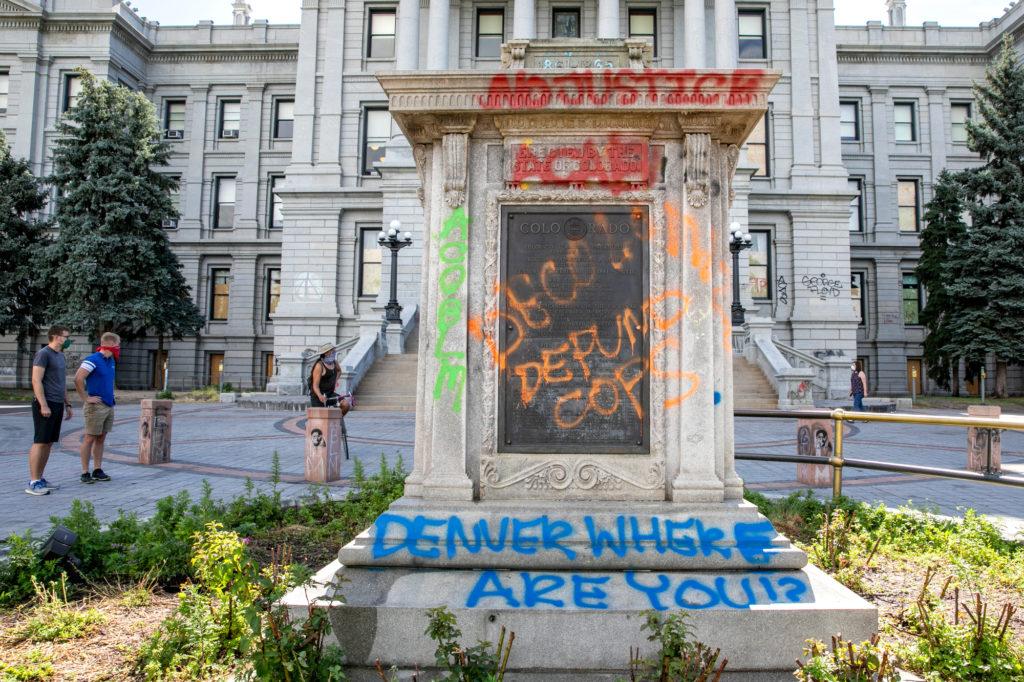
x=114, y=350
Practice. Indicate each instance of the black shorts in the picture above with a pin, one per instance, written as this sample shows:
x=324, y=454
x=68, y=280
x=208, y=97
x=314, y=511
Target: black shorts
x=47, y=429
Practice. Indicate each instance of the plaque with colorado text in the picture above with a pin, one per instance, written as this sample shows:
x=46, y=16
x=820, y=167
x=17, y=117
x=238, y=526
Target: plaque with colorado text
x=573, y=330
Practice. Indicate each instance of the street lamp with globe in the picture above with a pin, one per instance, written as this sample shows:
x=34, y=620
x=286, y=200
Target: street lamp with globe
x=394, y=240
x=738, y=241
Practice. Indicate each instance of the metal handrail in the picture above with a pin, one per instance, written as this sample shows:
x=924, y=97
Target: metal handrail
x=838, y=461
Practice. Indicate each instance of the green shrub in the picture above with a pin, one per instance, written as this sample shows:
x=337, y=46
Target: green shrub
x=20, y=567
x=679, y=659
x=36, y=666
x=967, y=645
x=847, y=662
x=465, y=664
x=166, y=394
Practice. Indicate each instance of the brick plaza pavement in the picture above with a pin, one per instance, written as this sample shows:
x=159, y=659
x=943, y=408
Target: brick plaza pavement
x=224, y=445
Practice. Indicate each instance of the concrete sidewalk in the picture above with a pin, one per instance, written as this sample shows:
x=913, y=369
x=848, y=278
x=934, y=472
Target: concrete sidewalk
x=224, y=445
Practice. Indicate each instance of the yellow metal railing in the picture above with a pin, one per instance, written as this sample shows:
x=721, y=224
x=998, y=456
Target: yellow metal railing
x=838, y=461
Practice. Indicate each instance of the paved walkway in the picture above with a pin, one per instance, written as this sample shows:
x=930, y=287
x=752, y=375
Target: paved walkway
x=224, y=445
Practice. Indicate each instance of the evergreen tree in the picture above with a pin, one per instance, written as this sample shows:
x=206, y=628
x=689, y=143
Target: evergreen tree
x=113, y=266
x=987, y=276
x=23, y=244
x=944, y=228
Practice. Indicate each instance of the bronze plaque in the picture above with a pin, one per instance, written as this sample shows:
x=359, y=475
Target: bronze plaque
x=574, y=335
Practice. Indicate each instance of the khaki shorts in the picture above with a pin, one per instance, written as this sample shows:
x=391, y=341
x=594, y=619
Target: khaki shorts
x=99, y=419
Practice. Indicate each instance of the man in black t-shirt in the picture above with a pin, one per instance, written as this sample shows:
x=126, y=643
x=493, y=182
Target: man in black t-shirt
x=50, y=406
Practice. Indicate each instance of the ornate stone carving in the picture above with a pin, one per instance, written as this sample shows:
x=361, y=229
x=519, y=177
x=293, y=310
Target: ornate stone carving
x=569, y=123
x=732, y=157
x=513, y=54
x=419, y=153
x=698, y=153
x=566, y=473
x=454, y=148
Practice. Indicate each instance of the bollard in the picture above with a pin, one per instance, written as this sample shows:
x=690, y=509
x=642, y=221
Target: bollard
x=815, y=437
x=323, y=444
x=155, y=432
x=984, y=446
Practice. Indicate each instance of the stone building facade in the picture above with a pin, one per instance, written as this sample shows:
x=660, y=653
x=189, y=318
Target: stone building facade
x=290, y=164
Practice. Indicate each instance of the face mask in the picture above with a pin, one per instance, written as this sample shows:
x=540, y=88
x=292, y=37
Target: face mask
x=67, y=344
x=853, y=368
x=115, y=351
x=329, y=359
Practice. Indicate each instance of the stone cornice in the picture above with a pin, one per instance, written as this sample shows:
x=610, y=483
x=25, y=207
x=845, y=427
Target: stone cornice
x=180, y=54
x=731, y=101
x=873, y=55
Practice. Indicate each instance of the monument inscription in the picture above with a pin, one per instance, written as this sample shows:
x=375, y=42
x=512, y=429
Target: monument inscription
x=574, y=335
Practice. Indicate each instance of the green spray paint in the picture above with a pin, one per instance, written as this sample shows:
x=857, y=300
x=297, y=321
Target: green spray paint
x=453, y=255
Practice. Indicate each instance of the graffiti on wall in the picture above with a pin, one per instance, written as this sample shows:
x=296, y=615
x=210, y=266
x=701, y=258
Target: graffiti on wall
x=823, y=286
x=453, y=255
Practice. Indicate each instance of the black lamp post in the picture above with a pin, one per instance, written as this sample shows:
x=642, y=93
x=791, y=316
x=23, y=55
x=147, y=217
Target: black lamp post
x=737, y=243
x=395, y=241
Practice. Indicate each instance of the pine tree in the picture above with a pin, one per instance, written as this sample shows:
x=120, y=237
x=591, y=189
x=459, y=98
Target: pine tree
x=986, y=277
x=944, y=228
x=23, y=246
x=113, y=266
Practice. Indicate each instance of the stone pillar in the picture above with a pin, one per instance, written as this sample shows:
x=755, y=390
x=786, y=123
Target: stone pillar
x=803, y=107
x=155, y=432
x=885, y=199
x=608, y=19
x=678, y=33
x=828, y=90
x=524, y=20
x=695, y=42
x=726, y=34
x=937, y=128
x=192, y=184
x=978, y=441
x=305, y=84
x=330, y=112
x=408, y=56
x=438, y=35
x=31, y=109
x=249, y=179
x=324, y=449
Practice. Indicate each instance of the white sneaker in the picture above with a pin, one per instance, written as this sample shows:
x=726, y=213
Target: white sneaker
x=37, y=488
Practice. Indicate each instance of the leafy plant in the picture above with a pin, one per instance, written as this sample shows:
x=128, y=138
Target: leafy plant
x=466, y=664
x=847, y=662
x=54, y=620
x=21, y=566
x=839, y=547
x=970, y=646
x=35, y=666
x=165, y=394
x=679, y=658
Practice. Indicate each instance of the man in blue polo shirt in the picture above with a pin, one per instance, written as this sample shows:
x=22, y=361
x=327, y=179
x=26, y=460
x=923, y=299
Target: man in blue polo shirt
x=95, y=384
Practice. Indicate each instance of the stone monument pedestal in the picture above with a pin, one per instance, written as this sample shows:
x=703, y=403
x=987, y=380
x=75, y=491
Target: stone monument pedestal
x=323, y=444
x=574, y=462
x=155, y=431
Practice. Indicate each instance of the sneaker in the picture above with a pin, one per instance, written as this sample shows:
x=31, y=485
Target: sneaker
x=86, y=478
x=48, y=485
x=98, y=475
x=37, y=488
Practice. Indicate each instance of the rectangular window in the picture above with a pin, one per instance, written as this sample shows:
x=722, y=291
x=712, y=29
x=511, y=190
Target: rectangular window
x=369, y=262
x=849, y=121
x=905, y=120
x=909, y=211
x=380, y=38
x=5, y=89
x=224, y=202
x=752, y=35
x=284, y=119
x=757, y=148
x=376, y=134
x=857, y=296
x=268, y=368
x=273, y=296
x=759, y=274
x=856, y=186
x=643, y=23
x=565, y=22
x=220, y=289
x=72, y=90
x=276, y=210
x=959, y=115
x=911, y=299
x=174, y=119
x=230, y=118
x=490, y=32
